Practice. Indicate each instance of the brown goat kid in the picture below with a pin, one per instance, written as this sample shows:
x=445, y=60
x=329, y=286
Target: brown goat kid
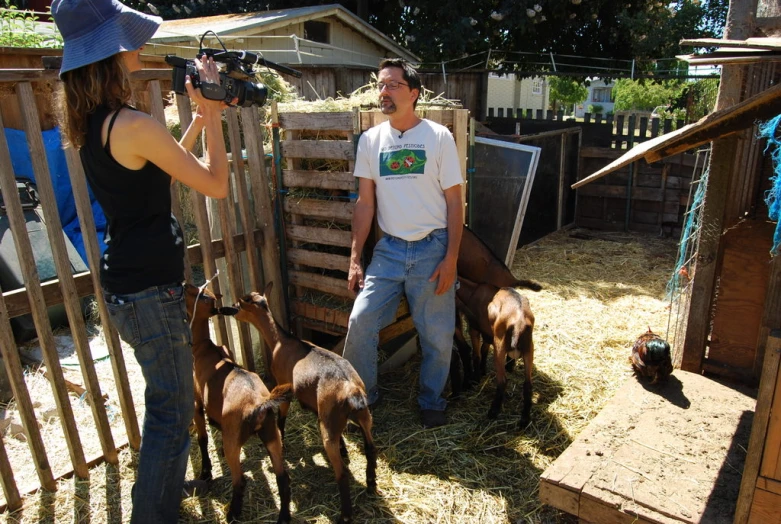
x=479, y=264
x=503, y=317
x=324, y=383
x=236, y=401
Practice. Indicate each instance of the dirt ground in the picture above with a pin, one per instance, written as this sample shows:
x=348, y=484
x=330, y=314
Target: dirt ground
x=600, y=293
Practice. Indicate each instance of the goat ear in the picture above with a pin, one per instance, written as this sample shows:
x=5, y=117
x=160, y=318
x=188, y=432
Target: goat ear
x=228, y=311
x=269, y=286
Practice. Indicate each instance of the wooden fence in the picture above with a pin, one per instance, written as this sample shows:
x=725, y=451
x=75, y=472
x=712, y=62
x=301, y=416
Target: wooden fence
x=250, y=256
x=609, y=131
x=638, y=197
x=312, y=205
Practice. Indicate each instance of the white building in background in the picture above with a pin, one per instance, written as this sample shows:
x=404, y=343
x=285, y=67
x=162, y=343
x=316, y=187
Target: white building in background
x=507, y=95
x=600, y=93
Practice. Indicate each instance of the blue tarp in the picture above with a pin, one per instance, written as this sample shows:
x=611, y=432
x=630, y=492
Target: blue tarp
x=63, y=192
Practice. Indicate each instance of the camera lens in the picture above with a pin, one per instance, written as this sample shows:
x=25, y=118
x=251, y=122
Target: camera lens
x=254, y=94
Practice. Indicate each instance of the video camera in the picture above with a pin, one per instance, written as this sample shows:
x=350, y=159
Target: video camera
x=237, y=81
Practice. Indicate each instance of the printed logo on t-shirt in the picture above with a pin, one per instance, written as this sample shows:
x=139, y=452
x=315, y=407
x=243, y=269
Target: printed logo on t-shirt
x=403, y=162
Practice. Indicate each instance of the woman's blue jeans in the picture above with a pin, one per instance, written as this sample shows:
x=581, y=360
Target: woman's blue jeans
x=399, y=266
x=154, y=323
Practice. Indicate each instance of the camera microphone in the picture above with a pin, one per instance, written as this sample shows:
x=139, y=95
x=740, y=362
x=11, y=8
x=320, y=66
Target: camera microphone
x=401, y=134
x=248, y=57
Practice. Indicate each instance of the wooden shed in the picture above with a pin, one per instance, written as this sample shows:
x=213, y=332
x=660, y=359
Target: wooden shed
x=734, y=299
x=335, y=50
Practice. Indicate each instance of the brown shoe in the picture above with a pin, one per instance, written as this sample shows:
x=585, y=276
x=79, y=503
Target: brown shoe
x=432, y=418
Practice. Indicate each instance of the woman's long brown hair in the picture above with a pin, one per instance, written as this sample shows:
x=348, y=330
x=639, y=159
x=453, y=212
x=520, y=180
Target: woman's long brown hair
x=84, y=89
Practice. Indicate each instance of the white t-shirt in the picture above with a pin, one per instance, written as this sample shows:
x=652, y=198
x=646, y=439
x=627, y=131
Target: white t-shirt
x=410, y=171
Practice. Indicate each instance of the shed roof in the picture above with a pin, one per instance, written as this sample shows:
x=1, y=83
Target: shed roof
x=172, y=31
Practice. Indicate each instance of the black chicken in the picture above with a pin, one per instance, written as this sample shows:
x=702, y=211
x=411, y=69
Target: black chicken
x=651, y=357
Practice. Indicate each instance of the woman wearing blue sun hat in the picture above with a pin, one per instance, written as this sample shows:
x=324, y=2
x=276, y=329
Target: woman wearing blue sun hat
x=130, y=161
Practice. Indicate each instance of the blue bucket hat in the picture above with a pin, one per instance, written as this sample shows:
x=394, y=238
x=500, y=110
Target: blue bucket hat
x=96, y=29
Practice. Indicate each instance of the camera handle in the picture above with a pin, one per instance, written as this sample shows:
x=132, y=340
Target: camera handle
x=249, y=58
x=213, y=91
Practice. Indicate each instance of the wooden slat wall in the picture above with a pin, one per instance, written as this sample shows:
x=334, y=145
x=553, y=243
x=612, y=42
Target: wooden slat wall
x=318, y=157
x=245, y=221
x=319, y=206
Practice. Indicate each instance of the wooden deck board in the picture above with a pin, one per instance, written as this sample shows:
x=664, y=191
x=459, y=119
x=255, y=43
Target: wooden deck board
x=656, y=454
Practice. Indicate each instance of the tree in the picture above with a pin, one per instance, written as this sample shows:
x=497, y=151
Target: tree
x=465, y=30
x=566, y=91
x=644, y=96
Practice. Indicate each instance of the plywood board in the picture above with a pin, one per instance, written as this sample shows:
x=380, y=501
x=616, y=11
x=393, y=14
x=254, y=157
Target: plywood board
x=664, y=453
x=742, y=288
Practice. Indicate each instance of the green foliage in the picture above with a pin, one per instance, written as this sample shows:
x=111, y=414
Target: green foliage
x=688, y=101
x=566, y=91
x=596, y=109
x=20, y=28
x=697, y=99
x=644, y=96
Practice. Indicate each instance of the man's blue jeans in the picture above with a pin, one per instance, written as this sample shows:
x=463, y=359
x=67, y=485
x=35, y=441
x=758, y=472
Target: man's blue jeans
x=154, y=323
x=397, y=267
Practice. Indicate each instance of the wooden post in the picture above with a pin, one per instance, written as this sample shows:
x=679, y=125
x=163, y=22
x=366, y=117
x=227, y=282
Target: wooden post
x=12, y=498
x=202, y=222
x=7, y=344
x=158, y=113
x=33, y=284
x=461, y=136
x=721, y=166
x=264, y=212
x=228, y=221
x=89, y=235
x=564, y=137
x=62, y=263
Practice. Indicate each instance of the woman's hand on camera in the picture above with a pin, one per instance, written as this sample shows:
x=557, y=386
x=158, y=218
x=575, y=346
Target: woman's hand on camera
x=207, y=72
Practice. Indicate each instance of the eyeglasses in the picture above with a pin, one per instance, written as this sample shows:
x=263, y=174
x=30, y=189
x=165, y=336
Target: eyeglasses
x=392, y=85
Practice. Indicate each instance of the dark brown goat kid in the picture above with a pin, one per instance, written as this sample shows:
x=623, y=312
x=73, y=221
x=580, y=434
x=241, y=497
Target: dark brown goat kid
x=236, y=401
x=324, y=383
x=504, y=318
x=478, y=263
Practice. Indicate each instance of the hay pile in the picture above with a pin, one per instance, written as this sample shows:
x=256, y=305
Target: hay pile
x=600, y=294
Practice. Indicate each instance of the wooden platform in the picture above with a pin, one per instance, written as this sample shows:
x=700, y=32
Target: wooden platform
x=657, y=454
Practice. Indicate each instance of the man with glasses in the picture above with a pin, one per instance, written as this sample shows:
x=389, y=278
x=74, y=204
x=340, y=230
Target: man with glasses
x=409, y=172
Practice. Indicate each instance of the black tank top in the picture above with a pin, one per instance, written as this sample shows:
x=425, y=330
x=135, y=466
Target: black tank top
x=145, y=243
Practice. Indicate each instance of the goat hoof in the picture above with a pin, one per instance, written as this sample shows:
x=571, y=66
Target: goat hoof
x=206, y=475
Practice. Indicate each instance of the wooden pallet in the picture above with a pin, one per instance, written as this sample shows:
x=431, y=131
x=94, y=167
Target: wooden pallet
x=667, y=454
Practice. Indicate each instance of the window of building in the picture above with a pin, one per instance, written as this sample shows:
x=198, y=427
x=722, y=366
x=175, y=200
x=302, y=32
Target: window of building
x=317, y=31
x=490, y=111
x=501, y=112
x=537, y=86
x=601, y=94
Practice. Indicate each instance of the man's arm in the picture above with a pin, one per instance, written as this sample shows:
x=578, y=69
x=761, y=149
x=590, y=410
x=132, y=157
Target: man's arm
x=447, y=269
x=363, y=217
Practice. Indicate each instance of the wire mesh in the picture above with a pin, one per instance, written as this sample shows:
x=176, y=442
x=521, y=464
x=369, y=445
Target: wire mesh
x=679, y=286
